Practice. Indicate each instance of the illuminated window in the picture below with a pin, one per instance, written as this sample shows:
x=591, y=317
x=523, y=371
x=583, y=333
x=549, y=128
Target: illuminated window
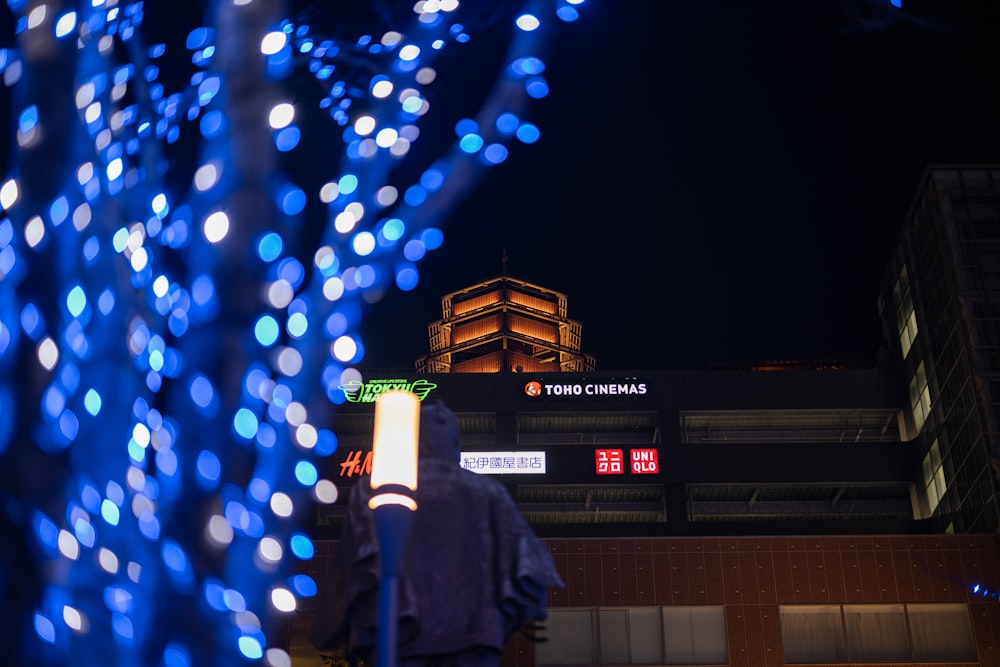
x=934, y=480
x=869, y=633
x=920, y=398
x=876, y=633
x=906, y=317
x=635, y=636
x=941, y=632
x=813, y=633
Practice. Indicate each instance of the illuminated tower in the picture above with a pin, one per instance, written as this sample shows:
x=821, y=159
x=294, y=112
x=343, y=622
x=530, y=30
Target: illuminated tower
x=504, y=324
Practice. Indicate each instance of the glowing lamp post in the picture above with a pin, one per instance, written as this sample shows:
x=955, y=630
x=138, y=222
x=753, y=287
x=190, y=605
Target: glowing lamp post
x=393, y=482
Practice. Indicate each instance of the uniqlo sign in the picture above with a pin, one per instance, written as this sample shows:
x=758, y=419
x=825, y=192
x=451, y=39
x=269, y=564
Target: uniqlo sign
x=610, y=462
x=644, y=461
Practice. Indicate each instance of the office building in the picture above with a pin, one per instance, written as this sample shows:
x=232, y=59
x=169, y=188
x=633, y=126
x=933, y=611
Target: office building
x=940, y=307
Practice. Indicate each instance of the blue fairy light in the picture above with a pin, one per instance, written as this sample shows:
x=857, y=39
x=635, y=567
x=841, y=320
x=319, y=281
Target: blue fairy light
x=302, y=546
x=567, y=14
x=176, y=655
x=536, y=87
x=44, y=628
x=528, y=133
x=303, y=585
x=139, y=264
x=466, y=126
x=270, y=246
x=245, y=422
x=287, y=138
x=65, y=25
x=407, y=277
x=306, y=473
x=432, y=238
x=393, y=229
x=471, y=143
x=208, y=466
x=28, y=119
x=495, y=153
x=110, y=512
x=266, y=331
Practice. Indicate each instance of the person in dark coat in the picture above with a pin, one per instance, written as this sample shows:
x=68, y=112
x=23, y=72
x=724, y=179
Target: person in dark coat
x=472, y=573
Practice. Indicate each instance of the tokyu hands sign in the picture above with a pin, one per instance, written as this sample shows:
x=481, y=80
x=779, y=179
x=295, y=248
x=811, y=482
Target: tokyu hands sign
x=357, y=391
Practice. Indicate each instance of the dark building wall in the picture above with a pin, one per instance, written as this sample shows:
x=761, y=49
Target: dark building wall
x=752, y=576
x=696, y=473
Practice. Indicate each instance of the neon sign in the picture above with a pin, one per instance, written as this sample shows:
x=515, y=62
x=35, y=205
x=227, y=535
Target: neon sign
x=609, y=462
x=612, y=388
x=357, y=391
x=645, y=461
x=354, y=465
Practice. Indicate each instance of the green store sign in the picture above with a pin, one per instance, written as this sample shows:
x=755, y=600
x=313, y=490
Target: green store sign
x=357, y=391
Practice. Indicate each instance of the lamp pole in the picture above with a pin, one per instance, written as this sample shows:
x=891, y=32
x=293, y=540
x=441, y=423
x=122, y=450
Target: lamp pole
x=394, y=483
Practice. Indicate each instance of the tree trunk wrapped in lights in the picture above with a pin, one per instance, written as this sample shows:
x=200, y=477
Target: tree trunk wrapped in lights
x=191, y=235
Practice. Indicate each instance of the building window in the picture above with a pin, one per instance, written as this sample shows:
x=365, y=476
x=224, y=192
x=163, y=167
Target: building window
x=695, y=635
x=941, y=633
x=920, y=398
x=634, y=636
x=813, y=633
x=906, y=317
x=934, y=481
x=877, y=633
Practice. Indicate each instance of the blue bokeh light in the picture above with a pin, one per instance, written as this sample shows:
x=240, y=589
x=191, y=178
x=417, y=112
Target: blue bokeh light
x=470, y=143
x=306, y=473
x=303, y=584
x=267, y=330
x=153, y=415
x=302, y=547
x=528, y=133
x=495, y=154
x=287, y=138
x=270, y=246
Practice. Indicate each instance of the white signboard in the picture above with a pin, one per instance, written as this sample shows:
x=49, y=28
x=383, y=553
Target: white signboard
x=504, y=463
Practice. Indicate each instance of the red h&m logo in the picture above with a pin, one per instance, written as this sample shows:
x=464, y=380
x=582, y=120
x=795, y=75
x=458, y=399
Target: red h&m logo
x=354, y=465
x=645, y=461
x=610, y=462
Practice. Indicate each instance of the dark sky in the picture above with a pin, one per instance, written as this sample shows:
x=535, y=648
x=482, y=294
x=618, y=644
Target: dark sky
x=715, y=180
x=721, y=180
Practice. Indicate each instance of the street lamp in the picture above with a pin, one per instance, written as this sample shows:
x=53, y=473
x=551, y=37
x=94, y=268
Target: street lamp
x=394, y=485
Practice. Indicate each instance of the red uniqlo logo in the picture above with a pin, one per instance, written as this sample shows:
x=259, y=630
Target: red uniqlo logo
x=610, y=462
x=644, y=461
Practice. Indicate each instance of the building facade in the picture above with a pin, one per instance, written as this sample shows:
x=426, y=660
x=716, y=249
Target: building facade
x=504, y=324
x=709, y=517
x=940, y=307
x=748, y=515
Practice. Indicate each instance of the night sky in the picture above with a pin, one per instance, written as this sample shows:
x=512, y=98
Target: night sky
x=716, y=181
x=720, y=180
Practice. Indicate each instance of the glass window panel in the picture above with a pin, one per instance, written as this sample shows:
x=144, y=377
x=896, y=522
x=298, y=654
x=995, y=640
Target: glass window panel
x=645, y=635
x=695, y=635
x=812, y=633
x=570, y=634
x=614, y=637
x=876, y=633
x=941, y=633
